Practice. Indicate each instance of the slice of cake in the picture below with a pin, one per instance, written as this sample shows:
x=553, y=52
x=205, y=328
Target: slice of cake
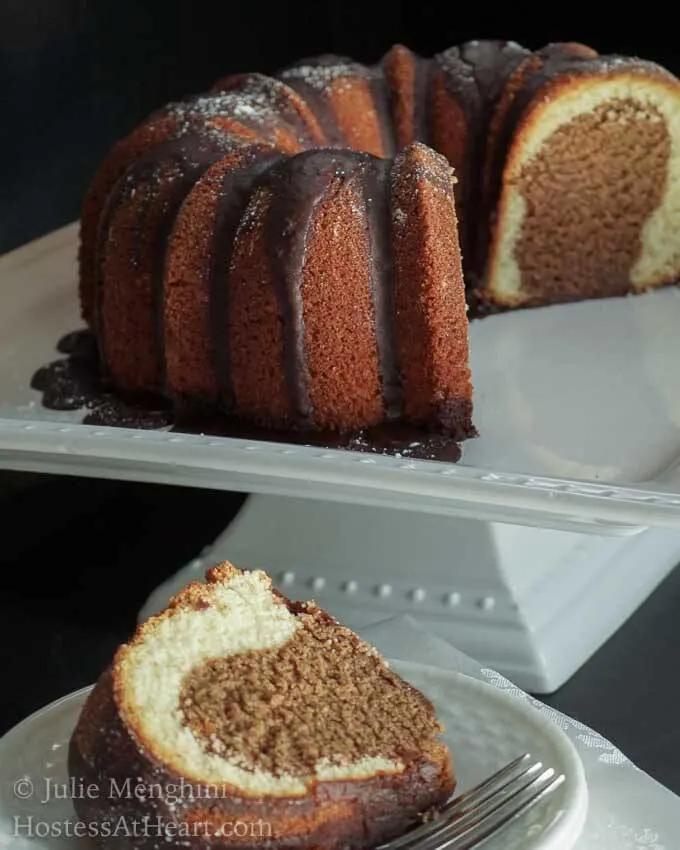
x=237, y=718
x=588, y=204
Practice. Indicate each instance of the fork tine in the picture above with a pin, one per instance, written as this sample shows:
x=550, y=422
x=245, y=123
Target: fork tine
x=500, y=781
x=467, y=820
x=493, y=785
x=471, y=831
x=474, y=817
x=507, y=793
x=511, y=809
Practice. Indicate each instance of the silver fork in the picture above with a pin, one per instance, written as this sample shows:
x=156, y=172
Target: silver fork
x=469, y=819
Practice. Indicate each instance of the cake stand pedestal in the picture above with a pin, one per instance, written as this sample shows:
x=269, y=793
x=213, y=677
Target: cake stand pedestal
x=532, y=603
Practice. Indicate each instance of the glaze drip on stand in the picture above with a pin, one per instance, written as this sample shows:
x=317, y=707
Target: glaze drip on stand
x=75, y=382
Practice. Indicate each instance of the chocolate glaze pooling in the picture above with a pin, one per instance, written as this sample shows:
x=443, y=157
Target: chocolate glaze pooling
x=75, y=382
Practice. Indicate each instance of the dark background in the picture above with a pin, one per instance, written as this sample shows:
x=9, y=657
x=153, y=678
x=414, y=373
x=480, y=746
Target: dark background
x=79, y=556
x=75, y=75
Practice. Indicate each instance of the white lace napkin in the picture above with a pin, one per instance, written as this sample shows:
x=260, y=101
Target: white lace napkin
x=627, y=810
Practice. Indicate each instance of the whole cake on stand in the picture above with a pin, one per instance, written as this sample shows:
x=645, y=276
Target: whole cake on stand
x=298, y=251
x=287, y=249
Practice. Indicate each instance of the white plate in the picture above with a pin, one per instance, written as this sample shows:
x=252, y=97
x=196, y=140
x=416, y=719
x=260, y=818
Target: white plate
x=485, y=728
x=578, y=407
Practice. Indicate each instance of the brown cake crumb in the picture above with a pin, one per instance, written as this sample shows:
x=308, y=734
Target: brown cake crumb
x=586, y=244
x=321, y=696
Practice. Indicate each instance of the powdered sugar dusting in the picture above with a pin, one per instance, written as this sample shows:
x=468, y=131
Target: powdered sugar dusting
x=253, y=105
x=322, y=77
x=258, y=101
x=452, y=63
x=399, y=216
x=418, y=166
x=428, y=447
x=255, y=211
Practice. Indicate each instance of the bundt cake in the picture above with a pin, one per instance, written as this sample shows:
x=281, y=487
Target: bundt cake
x=237, y=718
x=287, y=249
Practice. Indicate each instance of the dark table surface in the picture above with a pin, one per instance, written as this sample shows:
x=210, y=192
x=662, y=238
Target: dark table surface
x=80, y=556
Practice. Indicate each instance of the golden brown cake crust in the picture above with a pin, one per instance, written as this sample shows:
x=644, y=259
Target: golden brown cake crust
x=401, y=75
x=431, y=316
x=338, y=313
x=109, y=754
x=352, y=815
x=255, y=339
x=124, y=153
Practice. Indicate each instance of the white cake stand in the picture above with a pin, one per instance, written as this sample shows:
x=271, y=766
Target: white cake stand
x=533, y=603
x=556, y=524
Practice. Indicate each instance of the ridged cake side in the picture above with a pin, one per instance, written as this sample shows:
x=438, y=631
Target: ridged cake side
x=285, y=313
x=432, y=330
x=282, y=317
x=200, y=249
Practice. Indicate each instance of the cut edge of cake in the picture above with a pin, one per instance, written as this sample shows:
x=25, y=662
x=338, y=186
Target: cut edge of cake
x=232, y=612
x=635, y=91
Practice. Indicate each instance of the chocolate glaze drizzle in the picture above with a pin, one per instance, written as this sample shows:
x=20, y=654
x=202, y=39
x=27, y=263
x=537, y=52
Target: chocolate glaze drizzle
x=377, y=196
x=304, y=76
x=381, y=103
x=181, y=160
x=234, y=195
x=192, y=160
x=272, y=107
x=475, y=75
x=422, y=96
x=297, y=185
